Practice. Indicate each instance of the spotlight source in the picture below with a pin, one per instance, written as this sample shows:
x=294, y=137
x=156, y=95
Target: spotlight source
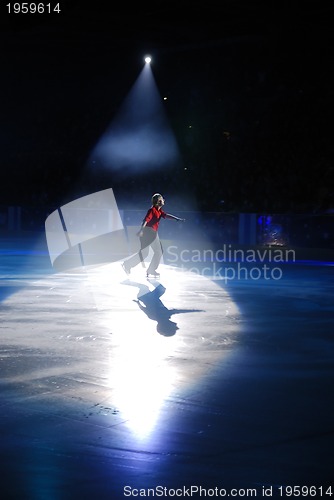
x=148, y=59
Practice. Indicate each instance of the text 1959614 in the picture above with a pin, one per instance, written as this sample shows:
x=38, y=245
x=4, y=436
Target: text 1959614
x=33, y=8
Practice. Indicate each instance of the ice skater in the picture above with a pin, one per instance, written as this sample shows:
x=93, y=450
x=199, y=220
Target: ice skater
x=149, y=237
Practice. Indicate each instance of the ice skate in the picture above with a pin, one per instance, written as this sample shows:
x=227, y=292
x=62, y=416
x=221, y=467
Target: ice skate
x=153, y=274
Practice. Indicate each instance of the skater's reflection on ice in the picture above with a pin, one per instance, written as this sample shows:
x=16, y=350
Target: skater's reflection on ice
x=150, y=303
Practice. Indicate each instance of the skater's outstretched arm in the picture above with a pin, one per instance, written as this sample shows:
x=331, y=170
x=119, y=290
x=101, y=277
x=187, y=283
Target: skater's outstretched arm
x=173, y=217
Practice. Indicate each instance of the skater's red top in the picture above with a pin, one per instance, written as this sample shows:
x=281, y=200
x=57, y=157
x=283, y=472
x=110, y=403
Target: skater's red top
x=153, y=216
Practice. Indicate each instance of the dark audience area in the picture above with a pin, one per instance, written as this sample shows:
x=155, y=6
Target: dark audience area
x=249, y=107
x=263, y=147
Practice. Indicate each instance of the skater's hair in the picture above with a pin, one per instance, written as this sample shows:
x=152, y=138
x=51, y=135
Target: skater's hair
x=155, y=198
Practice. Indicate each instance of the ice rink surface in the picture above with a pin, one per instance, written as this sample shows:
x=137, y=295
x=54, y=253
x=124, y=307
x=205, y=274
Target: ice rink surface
x=116, y=386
